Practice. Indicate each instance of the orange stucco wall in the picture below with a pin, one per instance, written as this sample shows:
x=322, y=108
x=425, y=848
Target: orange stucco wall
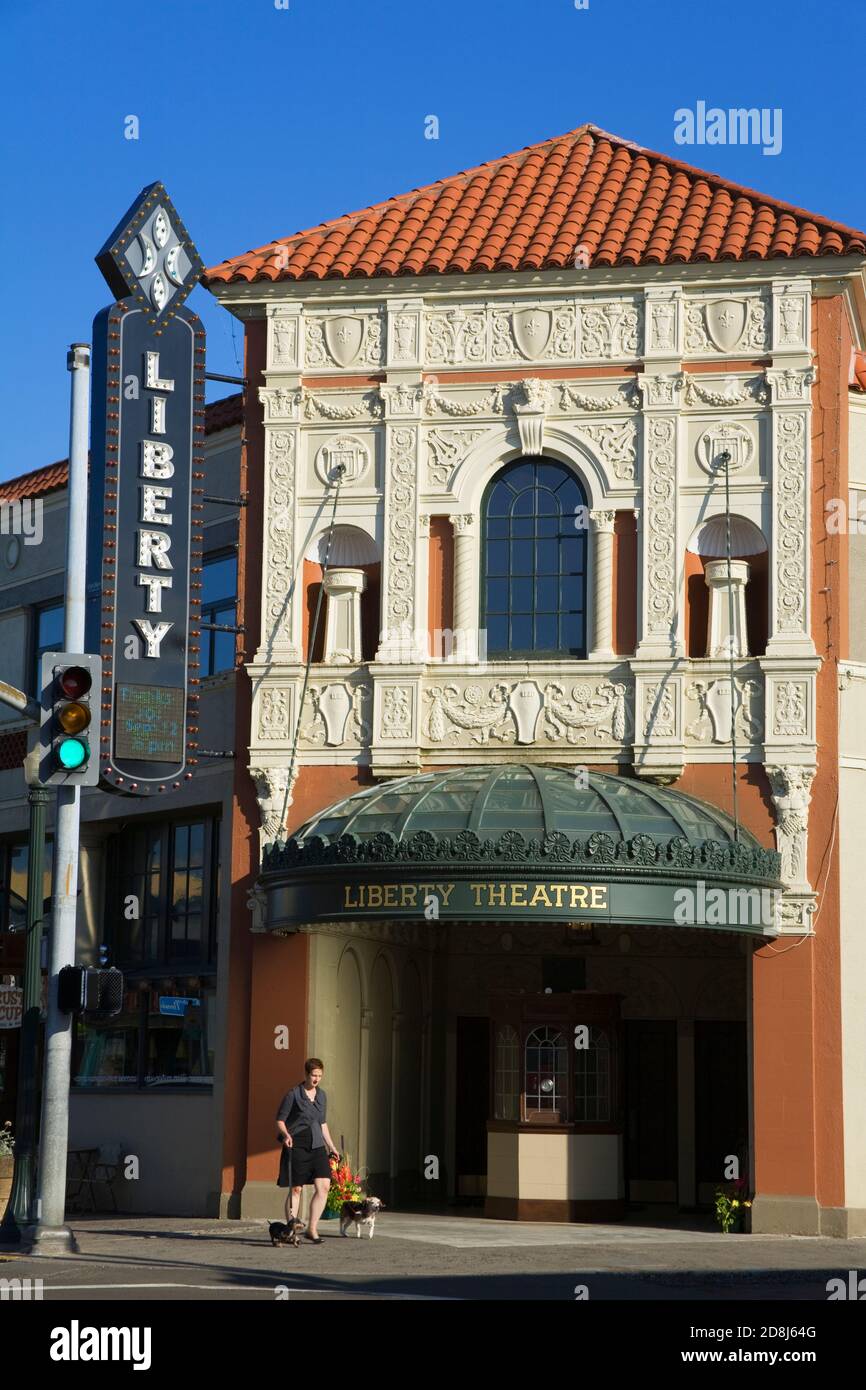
x=245, y=814
x=797, y=999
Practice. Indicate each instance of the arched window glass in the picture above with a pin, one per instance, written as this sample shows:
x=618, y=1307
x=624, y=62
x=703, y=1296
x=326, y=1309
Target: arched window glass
x=533, y=591
x=546, y=1070
x=507, y=1074
x=592, y=1078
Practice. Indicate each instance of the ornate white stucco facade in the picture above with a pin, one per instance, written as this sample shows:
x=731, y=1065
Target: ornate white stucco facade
x=638, y=385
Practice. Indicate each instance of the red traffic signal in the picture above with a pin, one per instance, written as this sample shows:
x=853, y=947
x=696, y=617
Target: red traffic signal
x=74, y=682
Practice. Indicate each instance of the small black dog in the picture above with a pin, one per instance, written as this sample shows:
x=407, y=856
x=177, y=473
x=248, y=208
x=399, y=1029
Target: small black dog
x=286, y=1233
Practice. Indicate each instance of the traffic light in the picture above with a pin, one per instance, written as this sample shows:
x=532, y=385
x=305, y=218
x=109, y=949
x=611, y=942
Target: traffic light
x=71, y=702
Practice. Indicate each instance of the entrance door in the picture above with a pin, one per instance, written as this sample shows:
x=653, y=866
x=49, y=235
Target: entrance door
x=721, y=1103
x=651, y=1110
x=473, y=1101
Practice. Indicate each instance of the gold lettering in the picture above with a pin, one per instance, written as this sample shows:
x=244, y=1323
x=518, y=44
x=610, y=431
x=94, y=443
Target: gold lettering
x=391, y=895
x=495, y=895
x=374, y=888
x=348, y=897
x=599, y=895
x=405, y=900
x=446, y=889
x=578, y=891
x=540, y=895
x=558, y=889
x=515, y=900
x=477, y=889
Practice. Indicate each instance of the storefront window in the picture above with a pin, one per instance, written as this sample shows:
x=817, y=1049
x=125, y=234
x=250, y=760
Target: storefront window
x=13, y=885
x=163, y=1037
x=507, y=1074
x=161, y=913
x=592, y=1078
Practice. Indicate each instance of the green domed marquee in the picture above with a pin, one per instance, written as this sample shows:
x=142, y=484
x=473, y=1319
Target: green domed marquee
x=515, y=841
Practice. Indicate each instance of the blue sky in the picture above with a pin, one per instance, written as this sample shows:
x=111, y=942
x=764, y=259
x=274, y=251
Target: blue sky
x=262, y=121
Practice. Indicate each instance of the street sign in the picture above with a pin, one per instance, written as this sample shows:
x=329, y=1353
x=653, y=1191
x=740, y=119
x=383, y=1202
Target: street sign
x=69, y=722
x=11, y=1006
x=175, y=1006
x=144, y=524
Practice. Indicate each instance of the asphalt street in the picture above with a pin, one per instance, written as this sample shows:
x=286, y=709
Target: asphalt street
x=433, y=1257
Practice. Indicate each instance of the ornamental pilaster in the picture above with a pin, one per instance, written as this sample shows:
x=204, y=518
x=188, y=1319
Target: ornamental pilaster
x=602, y=579
x=464, y=642
x=790, y=436
x=280, y=630
x=399, y=638
x=660, y=615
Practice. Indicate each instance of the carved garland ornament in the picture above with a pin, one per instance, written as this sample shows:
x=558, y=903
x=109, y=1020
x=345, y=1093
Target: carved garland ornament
x=510, y=713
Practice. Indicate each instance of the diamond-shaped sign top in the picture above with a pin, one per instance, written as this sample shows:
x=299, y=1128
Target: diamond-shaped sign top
x=150, y=256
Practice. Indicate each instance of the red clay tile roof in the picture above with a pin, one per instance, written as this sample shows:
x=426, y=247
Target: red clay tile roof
x=222, y=414
x=219, y=415
x=36, y=483
x=534, y=209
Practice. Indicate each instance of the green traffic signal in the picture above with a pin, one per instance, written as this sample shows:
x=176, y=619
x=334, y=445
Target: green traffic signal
x=72, y=753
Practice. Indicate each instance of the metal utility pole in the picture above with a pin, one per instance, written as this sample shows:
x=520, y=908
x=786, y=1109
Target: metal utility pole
x=49, y=1234
x=19, y=1212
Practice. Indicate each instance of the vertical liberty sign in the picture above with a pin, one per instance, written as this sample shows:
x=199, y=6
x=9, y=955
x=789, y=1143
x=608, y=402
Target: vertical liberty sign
x=144, y=522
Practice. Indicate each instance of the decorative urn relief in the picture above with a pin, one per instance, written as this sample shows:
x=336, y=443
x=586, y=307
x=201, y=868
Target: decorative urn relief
x=343, y=588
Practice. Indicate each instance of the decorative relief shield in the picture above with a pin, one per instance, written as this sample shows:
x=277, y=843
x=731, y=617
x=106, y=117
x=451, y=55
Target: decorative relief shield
x=525, y=702
x=343, y=337
x=532, y=329
x=726, y=322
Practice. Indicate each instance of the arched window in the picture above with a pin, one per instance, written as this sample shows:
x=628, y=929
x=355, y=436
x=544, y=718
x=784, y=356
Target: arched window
x=546, y=1071
x=533, y=589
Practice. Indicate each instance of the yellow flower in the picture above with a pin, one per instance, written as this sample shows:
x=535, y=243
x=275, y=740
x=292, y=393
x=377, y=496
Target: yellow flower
x=735, y=1203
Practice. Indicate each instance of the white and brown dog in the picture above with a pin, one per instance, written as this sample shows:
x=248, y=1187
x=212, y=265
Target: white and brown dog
x=360, y=1214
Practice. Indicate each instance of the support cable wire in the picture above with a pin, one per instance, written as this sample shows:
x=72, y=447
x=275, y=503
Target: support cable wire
x=311, y=644
x=726, y=459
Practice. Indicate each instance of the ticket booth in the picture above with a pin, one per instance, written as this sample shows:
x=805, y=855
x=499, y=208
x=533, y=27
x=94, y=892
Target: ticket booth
x=555, y=1133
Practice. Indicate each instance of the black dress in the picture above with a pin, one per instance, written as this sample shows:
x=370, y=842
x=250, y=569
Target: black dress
x=300, y=1164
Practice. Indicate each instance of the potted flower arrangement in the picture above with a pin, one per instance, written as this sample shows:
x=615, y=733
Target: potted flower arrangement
x=345, y=1186
x=7, y=1163
x=734, y=1207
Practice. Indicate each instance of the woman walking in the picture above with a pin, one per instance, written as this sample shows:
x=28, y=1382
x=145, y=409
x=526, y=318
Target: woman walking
x=306, y=1145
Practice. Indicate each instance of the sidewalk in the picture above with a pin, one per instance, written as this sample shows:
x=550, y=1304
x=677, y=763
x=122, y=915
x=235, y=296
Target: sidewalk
x=433, y=1256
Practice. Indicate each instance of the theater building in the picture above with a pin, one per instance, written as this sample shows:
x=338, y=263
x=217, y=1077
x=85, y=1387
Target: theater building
x=548, y=841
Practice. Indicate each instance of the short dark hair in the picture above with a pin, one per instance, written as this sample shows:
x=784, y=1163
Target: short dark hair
x=312, y=1063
